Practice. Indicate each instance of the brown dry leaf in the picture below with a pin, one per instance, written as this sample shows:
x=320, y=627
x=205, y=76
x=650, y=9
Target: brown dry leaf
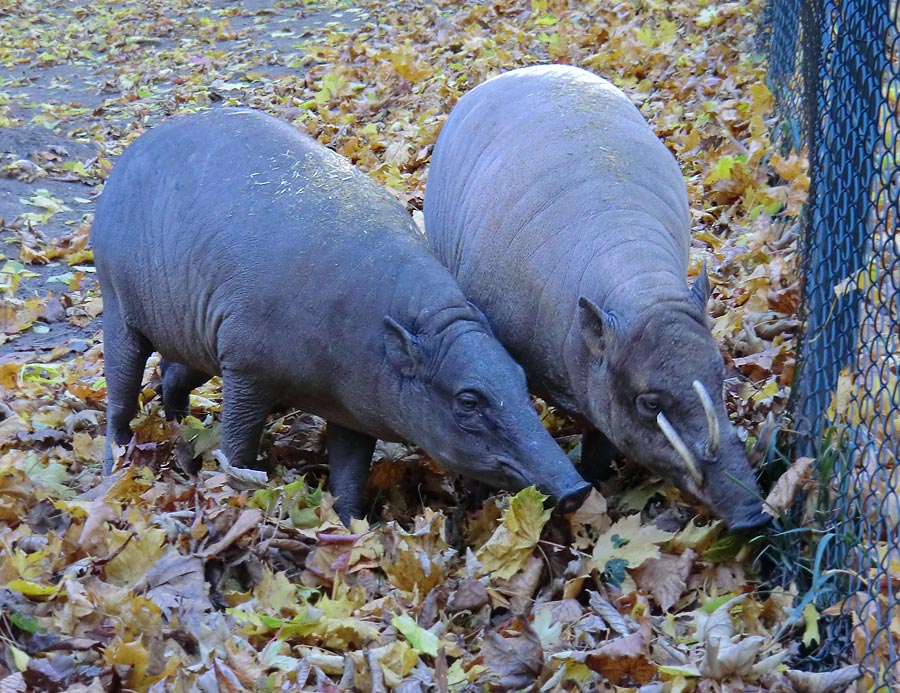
x=14, y=683
x=785, y=491
x=177, y=582
x=519, y=590
x=623, y=661
x=94, y=539
x=608, y=613
x=666, y=577
x=11, y=427
x=513, y=655
x=825, y=681
x=722, y=659
x=247, y=521
x=592, y=512
x=470, y=595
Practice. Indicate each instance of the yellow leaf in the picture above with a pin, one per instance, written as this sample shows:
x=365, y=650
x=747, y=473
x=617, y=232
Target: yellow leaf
x=407, y=64
x=28, y=565
x=395, y=660
x=627, y=540
x=691, y=141
x=132, y=654
x=20, y=658
x=859, y=281
x=275, y=592
x=34, y=589
x=696, y=537
x=506, y=552
x=713, y=241
x=761, y=98
x=842, y=396
x=708, y=16
x=9, y=374
x=811, y=619
x=142, y=551
x=88, y=448
x=722, y=169
x=789, y=169
x=422, y=640
x=770, y=389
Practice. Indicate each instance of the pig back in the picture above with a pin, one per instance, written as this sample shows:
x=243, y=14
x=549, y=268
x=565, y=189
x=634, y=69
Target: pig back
x=546, y=184
x=214, y=227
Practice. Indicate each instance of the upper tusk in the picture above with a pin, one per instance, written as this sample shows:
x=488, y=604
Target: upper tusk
x=712, y=421
x=672, y=436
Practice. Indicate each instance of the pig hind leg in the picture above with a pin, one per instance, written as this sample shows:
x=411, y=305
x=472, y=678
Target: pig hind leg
x=177, y=382
x=125, y=353
x=349, y=459
x=245, y=407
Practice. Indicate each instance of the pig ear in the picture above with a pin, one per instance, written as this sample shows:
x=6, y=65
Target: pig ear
x=402, y=347
x=598, y=327
x=700, y=289
x=482, y=319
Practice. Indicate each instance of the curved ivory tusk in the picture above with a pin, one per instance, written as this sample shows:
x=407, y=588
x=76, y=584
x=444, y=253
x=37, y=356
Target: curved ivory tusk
x=672, y=436
x=712, y=421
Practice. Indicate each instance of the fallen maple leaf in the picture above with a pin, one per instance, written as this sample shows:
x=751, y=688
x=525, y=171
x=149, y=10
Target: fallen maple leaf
x=630, y=542
x=510, y=546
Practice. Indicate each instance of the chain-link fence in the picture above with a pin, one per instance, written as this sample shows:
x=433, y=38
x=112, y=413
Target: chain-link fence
x=835, y=70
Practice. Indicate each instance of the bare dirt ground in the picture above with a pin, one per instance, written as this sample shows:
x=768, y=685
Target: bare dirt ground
x=69, y=115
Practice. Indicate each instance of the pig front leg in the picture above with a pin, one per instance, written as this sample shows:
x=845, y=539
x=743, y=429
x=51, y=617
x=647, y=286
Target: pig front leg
x=125, y=352
x=177, y=382
x=349, y=459
x=245, y=407
x=597, y=456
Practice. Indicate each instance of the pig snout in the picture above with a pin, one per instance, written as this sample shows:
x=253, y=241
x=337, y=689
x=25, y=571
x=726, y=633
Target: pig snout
x=714, y=467
x=570, y=502
x=543, y=464
x=749, y=519
x=732, y=491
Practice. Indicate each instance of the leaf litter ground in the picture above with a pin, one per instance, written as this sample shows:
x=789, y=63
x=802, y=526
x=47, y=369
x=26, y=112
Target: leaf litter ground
x=160, y=578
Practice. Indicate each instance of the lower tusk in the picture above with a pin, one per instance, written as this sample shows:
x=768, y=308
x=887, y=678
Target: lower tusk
x=712, y=421
x=672, y=436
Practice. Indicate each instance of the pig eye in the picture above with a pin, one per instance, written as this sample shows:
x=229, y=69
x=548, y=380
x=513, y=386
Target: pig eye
x=467, y=411
x=648, y=404
x=466, y=402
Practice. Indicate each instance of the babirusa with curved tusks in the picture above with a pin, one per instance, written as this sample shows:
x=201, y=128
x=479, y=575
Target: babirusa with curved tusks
x=672, y=436
x=712, y=421
x=537, y=202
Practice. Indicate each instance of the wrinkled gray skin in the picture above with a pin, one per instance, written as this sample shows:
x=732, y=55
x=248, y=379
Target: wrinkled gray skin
x=566, y=222
x=235, y=245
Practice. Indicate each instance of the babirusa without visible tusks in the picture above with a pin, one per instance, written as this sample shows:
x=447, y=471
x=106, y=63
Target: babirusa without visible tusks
x=712, y=420
x=672, y=436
